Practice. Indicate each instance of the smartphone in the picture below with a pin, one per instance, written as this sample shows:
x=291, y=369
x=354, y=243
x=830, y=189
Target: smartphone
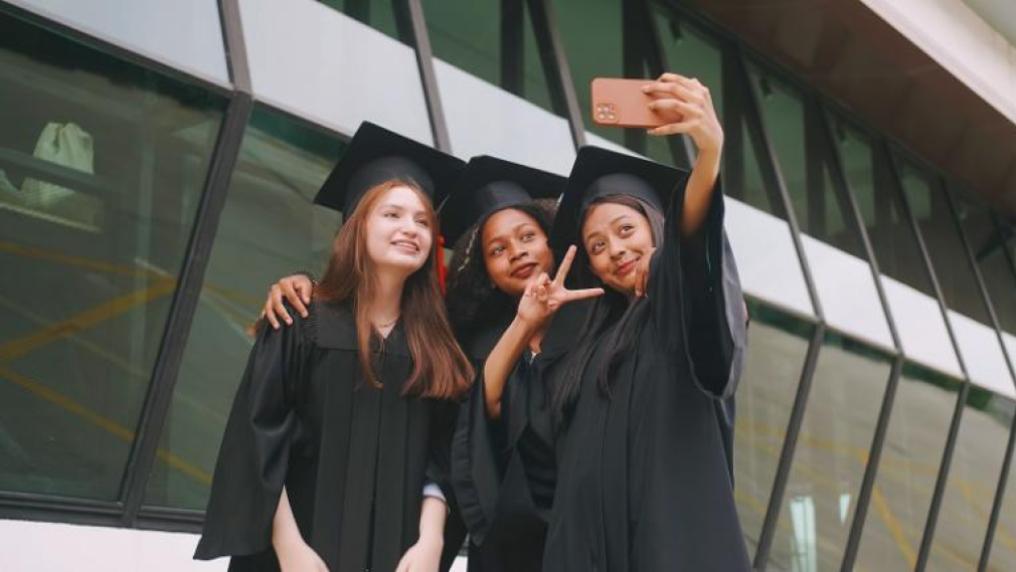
x=620, y=102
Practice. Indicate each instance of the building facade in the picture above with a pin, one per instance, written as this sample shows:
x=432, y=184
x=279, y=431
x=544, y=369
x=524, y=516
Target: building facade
x=158, y=162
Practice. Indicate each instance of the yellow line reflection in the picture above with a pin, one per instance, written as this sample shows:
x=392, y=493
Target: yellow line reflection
x=106, y=424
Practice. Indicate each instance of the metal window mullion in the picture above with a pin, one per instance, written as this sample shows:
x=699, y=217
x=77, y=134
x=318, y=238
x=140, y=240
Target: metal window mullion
x=978, y=276
x=961, y=398
x=412, y=29
x=989, y=533
x=183, y=307
x=555, y=67
x=682, y=151
x=996, y=507
x=773, y=178
x=834, y=161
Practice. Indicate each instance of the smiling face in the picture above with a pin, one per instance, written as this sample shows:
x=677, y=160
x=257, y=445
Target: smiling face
x=616, y=237
x=399, y=231
x=515, y=250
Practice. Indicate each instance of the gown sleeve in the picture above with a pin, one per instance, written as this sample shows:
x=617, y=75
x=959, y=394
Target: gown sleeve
x=696, y=298
x=254, y=456
x=476, y=462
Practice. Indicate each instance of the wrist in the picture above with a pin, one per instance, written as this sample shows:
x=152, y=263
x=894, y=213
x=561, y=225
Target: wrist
x=527, y=325
x=431, y=539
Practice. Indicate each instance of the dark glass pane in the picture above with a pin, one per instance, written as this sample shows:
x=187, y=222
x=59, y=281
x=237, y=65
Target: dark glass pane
x=269, y=229
x=468, y=36
x=378, y=14
x=689, y=52
x=591, y=33
x=869, y=176
x=831, y=455
x=777, y=347
x=797, y=140
x=973, y=478
x=935, y=220
x=987, y=242
x=102, y=164
x=918, y=428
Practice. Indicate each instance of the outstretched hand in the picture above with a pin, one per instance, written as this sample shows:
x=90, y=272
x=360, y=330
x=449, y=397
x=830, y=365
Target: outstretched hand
x=688, y=104
x=543, y=296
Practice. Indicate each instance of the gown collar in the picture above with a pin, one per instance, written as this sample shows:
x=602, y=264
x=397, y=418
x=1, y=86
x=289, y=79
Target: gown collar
x=335, y=328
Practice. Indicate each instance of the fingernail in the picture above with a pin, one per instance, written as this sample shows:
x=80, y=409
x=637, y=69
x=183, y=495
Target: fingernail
x=289, y=321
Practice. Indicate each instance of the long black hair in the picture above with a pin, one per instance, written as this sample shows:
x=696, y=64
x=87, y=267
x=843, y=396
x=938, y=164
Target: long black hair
x=612, y=314
x=473, y=301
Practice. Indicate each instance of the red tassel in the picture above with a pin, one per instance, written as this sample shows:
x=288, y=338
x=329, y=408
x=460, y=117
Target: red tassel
x=442, y=270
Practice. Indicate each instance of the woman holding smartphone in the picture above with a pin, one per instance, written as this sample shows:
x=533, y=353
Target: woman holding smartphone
x=342, y=421
x=643, y=476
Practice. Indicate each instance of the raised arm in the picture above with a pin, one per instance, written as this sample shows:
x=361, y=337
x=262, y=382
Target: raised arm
x=690, y=105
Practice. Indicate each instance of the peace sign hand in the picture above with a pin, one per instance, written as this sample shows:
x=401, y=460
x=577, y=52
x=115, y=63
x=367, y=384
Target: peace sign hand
x=543, y=296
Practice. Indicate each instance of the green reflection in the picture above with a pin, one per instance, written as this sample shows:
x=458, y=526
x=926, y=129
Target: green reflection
x=269, y=228
x=102, y=165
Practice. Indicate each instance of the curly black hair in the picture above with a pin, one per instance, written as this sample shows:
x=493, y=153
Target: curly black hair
x=473, y=301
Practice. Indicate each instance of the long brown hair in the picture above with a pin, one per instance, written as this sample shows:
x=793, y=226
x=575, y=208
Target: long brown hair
x=440, y=368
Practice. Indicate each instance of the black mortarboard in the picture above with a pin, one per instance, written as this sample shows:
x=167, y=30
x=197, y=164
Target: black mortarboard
x=598, y=173
x=376, y=155
x=488, y=185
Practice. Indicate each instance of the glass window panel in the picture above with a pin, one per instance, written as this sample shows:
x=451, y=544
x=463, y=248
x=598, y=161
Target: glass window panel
x=892, y=238
x=269, y=229
x=777, y=347
x=468, y=36
x=935, y=220
x=591, y=33
x=987, y=243
x=378, y=14
x=831, y=455
x=690, y=52
x=973, y=478
x=918, y=428
x=1003, y=547
x=819, y=208
x=102, y=164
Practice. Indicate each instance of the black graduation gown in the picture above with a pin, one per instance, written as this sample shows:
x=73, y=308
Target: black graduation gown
x=504, y=470
x=353, y=458
x=644, y=480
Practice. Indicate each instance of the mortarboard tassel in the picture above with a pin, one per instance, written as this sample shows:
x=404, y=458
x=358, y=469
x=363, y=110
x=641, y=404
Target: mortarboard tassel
x=442, y=270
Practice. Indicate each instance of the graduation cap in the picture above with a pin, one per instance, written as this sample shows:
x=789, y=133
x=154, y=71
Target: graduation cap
x=599, y=173
x=490, y=184
x=376, y=155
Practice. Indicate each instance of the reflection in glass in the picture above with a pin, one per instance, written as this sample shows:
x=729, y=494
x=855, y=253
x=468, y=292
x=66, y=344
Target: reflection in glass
x=869, y=176
x=797, y=143
x=973, y=477
x=776, y=349
x=468, y=36
x=987, y=242
x=269, y=229
x=1003, y=547
x=101, y=169
x=935, y=220
x=691, y=53
x=378, y=14
x=918, y=428
x=831, y=455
